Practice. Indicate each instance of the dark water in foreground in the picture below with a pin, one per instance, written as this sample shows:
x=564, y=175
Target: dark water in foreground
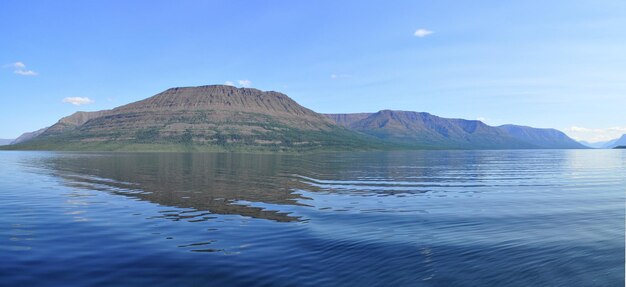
x=432, y=218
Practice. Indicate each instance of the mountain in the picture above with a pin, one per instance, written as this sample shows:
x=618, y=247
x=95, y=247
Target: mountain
x=429, y=131
x=617, y=142
x=28, y=136
x=543, y=138
x=347, y=119
x=5, y=141
x=201, y=118
x=222, y=117
x=432, y=131
x=73, y=122
x=607, y=144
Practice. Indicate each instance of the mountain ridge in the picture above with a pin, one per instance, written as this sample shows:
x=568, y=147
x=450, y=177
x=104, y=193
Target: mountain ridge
x=606, y=144
x=433, y=130
x=203, y=117
x=541, y=137
x=219, y=116
x=621, y=141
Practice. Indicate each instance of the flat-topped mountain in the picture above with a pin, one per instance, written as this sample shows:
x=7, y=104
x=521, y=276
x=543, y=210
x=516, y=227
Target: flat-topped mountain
x=205, y=116
x=198, y=108
x=542, y=138
x=437, y=132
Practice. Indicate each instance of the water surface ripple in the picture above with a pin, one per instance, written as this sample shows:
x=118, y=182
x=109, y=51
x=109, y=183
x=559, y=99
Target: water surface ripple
x=421, y=218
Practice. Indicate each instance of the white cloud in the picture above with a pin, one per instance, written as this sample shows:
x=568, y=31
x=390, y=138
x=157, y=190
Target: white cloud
x=618, y=129
x=229, y=83
x=339, y=76
x=578, y=129
x=20, y=69
x=78, y=101
x=421, y=32
x=594, y=135
x=18, y=65
x=25, y=72
x=245, y=83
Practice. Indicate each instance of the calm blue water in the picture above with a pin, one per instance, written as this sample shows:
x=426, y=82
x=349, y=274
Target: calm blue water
x=425, y=218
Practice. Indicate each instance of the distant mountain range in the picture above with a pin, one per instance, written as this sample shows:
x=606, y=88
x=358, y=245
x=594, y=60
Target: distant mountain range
x=618, y=142
x=621, y=141
x=431, y=131
x=222, y=117
x=5, y=141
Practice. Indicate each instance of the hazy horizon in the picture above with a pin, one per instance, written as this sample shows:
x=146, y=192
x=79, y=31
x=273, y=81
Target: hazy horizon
x=502, y=63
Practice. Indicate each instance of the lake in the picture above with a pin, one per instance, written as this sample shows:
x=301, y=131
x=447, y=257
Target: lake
x=419, y=218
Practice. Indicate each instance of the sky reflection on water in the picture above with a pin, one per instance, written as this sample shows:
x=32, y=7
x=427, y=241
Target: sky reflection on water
x=424, y=218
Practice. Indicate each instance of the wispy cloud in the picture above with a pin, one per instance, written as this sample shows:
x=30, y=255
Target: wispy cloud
x=421, y=32
x=25, y=72
x=20, y=69
x=245, y=83
x=594, y=135
x=78, y=101
x=17, y=65
x=241, y=83
x=339, y=76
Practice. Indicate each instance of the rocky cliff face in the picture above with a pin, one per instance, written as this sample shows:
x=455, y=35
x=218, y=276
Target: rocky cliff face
x=206, y=115
x=346, y=120
x=221, y=97
x=211, y=110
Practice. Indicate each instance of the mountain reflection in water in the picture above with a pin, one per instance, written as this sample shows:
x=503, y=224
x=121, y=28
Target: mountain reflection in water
x=214, y=182
x=225, y=183
x=425, y=218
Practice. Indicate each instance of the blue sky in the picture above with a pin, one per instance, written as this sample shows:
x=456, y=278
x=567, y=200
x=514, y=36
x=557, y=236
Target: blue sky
x=559, y=64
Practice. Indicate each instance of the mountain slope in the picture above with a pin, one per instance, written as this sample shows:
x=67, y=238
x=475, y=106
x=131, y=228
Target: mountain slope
x=28, y=136
x=543, y=138
x=346, y=120
x=617, y=142
x=5, y=141
x=606, y=144
x=72, y=122
x=428, y=130
x=202, y=117
x=223, y=117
